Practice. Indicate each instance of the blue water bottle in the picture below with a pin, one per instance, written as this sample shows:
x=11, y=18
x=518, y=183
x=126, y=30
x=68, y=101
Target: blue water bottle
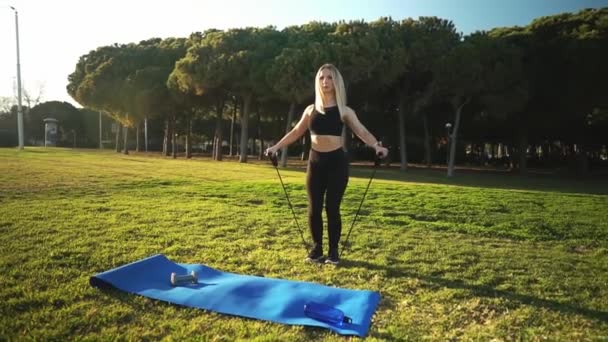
x=326, y=313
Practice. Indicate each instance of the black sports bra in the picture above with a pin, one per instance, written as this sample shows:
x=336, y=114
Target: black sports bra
x=329, y=123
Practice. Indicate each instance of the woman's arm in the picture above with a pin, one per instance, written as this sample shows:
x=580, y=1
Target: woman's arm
x=296, y=132
x=357, y=127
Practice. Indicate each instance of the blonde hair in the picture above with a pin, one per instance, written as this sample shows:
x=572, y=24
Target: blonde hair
x=338, y=88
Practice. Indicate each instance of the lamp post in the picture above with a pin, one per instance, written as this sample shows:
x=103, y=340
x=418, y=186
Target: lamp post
x=448, y=128
x=19, y=108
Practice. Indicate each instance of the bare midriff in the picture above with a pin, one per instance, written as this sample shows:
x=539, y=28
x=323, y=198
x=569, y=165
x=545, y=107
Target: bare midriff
x=325, y=143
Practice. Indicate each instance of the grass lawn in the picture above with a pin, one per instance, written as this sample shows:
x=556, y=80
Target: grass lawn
x=477, y=257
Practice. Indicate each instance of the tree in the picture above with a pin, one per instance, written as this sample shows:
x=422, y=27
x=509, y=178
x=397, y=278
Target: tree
x=563, y=68
x=70, y=122
x=479, y=68
x=254, y=50
x=292, y=72
x=199, y=79
x=151, y=94
x=126, y=81
x=99, y=82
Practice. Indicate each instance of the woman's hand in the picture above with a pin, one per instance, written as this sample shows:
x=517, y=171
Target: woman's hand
x=381, y=151
x=272, y=150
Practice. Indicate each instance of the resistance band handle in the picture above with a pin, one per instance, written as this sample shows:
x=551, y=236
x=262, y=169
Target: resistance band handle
x=273, y=159
x=377, y=159
x=378, y=156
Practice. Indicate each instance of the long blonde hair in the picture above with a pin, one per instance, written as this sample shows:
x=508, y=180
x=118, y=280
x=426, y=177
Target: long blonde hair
x=338, y=88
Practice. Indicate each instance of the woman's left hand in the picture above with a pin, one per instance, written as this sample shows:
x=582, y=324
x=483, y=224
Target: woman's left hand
x=272, y=150
x=381, y=152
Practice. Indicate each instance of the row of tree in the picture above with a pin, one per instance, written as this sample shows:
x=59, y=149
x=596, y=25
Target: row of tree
x=78, y=127
x=542, y=85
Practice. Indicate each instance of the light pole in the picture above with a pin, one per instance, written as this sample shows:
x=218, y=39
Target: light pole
x=19, y=108
x=448, y=128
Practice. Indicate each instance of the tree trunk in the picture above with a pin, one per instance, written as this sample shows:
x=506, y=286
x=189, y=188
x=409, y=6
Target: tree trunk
x=284, y=150
x=125, y=147
x=146, y=133
x=166, y=139
x=402, y=145
x=137, y=137
x=189, y=139
x=173, y=138
x=213, y=150
x=255, y=136
x=427, y=141
x=260, y=138
x=232, y=126
x=100, y=132
x=245, y=128
x=453, y=138
x=118, y=129
x=238, y=144
x=218, y=131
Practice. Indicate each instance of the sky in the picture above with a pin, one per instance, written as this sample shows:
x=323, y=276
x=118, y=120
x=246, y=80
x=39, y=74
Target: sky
x=54, y=34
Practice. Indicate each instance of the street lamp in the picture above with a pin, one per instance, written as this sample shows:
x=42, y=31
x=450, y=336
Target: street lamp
x=19, y=109
x=448, y=128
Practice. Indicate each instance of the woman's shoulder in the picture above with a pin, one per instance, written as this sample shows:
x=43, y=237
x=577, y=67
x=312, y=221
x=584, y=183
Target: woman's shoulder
x=348, y=111
x=309, y=109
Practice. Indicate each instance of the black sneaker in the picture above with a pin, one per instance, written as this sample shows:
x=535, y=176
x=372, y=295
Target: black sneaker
x=333, y=257
x=315, y=255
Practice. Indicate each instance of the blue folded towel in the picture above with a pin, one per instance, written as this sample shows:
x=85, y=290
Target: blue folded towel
x=276, y=300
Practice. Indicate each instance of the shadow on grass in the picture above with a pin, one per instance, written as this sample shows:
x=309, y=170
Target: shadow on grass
x=484, y=291
x=488, y=179
x=478, y=178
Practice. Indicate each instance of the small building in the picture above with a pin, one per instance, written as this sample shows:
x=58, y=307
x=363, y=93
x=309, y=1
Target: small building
x=50, y=132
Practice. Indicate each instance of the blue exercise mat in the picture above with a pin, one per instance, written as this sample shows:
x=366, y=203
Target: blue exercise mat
x=276, y=300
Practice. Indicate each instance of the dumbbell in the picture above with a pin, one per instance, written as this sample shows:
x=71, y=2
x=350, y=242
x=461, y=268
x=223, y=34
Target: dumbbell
x=183, y=279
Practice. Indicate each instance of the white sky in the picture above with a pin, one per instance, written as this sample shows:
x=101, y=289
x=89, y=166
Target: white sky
x=54, y=34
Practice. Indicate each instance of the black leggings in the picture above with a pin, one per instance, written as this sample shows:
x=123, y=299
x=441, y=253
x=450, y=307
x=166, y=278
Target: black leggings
x=327, y=176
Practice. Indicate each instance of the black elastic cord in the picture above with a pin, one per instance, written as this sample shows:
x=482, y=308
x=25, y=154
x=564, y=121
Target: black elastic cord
x=275, y=163
x=345, y=244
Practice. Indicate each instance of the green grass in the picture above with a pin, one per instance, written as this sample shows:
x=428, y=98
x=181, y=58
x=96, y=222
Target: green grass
x=477, y=257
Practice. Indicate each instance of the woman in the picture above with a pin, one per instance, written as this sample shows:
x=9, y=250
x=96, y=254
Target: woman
x=327, y=173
